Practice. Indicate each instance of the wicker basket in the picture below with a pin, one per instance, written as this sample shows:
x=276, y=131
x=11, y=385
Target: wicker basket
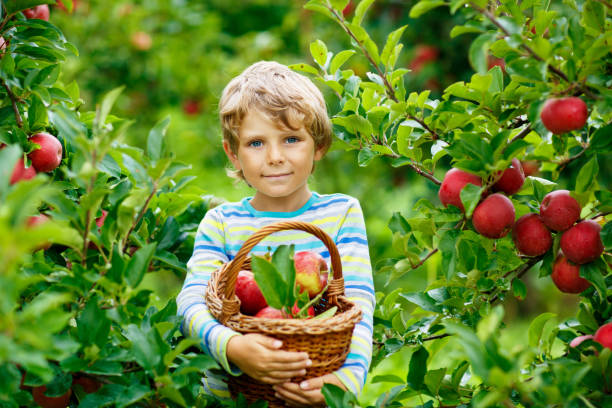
x=327, y=340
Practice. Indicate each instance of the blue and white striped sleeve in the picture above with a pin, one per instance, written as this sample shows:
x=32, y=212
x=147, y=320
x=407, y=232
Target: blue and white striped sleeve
x=352, y=243
x=208, y=255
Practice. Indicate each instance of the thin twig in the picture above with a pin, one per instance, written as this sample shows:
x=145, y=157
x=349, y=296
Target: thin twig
x=140, y=215
x=365, y=52
x=14, y=103
x=422, y=261
x=439, y=336
x=521, y=135
x=527, y=48
x=434, y=135
x=564, y=163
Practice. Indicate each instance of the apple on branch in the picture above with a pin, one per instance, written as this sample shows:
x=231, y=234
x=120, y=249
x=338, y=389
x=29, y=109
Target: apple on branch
x=561, y=115
x=566, y=276
x=559, y=210
x=49, y=156
x=450, y=189
x=50, y=402
x=603, y=335
x=21, y=172
x=494, y=216
x=530, y=235
x=512, y=179
x=308, y=268
x=41, y=12
x=582, y=242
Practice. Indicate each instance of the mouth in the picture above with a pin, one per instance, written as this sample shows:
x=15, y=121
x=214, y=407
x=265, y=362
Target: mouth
x=276, y=176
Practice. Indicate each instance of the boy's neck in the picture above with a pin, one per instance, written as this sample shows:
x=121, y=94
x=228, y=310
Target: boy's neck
x=261, y=202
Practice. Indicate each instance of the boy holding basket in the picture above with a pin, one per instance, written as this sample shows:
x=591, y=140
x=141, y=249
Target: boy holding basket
x=275, y=126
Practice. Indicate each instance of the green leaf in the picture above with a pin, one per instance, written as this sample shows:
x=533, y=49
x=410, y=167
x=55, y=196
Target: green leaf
x=423, y=300
x=339, y=60
x=392, y=40
x=360, y=11
x=606, y=235
x=318, y=50
x=13, y=6
x=270, y=281
x=37, y=113
x=424, y=6
x=601, y=141
x=594, y=273
x=156, y=139
x=282, y=258
x=587, y=176
x=107, y=104
x=479, y=50
x=328, y=313
x=8, y=158
x=417, y=368
x=470, y=196
x=519, y=289
x=139, y=264
x=536, y=327
x=472, y=346
x=365, y=156
x=92, y=324
x=305, y=68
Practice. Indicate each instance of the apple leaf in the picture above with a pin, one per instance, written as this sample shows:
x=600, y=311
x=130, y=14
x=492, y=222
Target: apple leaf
x=592, y=272
x=470, y=196
x=139, y=264
x=519, y=289
x=417, y=368
x=276, y=277
x=587, y=176
x=606, y=235
x=155, y=141
x=8, y=159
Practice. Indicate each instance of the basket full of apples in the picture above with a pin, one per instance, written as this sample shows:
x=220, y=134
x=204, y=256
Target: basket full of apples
x=291, y=297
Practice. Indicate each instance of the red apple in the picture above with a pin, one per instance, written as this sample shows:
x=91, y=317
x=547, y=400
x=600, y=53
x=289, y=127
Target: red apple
x=561, y=115
x=493, y=61
x=494, y=216
x=577, y=340
x=49, y=155
x=454, y=181
x=603, y=335
x=191, y=107
x=251, y=298
x=61, y=5
x=423, y=54
x=89, y=384
x=50, y=402
x=308, y=267
x=40, y=12
x=295, y=310
x=141, y=41
x=20, y=172
x=566, y=276
x=531, y=236
x=582, y=243
x=530, y=167
x=271, y=313
x=348, y=9
x=559, y=210
x=100, y=220
x=512, y=178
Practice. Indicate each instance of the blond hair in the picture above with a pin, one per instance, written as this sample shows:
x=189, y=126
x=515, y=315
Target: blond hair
x=281, y=94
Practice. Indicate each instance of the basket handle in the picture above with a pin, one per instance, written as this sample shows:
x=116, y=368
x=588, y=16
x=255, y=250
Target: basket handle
x=336, y=286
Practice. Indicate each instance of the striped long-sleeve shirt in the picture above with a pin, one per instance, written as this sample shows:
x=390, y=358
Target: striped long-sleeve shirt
x=221, y=234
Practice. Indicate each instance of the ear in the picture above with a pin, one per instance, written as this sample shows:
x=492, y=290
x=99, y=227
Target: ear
x=319, y=153
x=233, y=157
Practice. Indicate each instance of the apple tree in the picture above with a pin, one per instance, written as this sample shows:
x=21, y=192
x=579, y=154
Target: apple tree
x=84, y=218
x=497, y=220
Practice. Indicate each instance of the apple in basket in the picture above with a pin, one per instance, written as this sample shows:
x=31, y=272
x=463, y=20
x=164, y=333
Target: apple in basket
x=308, y=268
x=251, y=298
x=272, y=313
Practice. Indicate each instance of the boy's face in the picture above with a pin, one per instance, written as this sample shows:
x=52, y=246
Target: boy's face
x=275, y=161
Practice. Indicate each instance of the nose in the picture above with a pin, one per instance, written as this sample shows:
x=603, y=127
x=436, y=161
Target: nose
x=275, y=155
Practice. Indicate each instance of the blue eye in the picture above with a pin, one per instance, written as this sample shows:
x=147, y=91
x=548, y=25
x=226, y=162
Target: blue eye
x=292, y=139
x=255, y=143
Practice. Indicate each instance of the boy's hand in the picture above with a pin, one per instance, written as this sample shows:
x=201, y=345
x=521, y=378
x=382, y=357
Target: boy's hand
x=260, y=357
x=307, y=393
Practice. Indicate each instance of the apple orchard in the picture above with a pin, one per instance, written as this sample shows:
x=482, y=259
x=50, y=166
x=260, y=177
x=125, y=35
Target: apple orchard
x=514, y=164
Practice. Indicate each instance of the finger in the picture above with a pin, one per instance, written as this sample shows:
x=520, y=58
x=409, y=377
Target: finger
x=288, y=365
x=292, y=393
x=267, y=342
x=286, y=375
x=287, y=357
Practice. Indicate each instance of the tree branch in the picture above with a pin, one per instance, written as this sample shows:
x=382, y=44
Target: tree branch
x=527, y=48
x=14, y=103
x=434, y=135
x=341, y=21
x=564, y=163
